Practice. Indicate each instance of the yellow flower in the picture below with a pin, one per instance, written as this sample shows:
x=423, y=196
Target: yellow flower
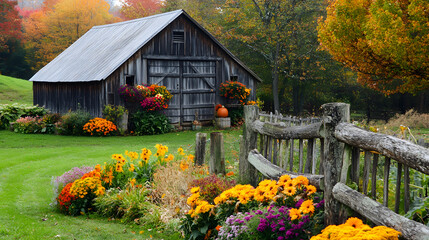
x=169, y=158
x=119, y=167
x=283, y=179
x=180, y=151
x=307, y=207
x=301, y=181
x=195, y=190
x=133, y=182
x=354, y=222
x=311, y=189
x=289, y=191
x=131, y=168
x=294, y=214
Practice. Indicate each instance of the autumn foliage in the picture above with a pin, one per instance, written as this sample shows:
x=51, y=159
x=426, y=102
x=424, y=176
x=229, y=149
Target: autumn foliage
x=132, y=9
x=59, y=23
x=10, y=23
x=385, y=41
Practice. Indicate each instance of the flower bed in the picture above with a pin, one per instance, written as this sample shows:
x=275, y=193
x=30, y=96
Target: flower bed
x=284, y=209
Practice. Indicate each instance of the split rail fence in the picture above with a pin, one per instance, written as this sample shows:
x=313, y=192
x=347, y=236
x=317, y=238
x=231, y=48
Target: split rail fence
x=274, y=145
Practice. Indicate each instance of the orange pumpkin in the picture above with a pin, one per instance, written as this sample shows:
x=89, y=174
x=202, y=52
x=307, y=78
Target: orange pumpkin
x=222, y=112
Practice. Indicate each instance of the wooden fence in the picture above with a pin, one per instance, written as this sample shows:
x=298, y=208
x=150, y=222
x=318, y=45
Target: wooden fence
x=335, y=146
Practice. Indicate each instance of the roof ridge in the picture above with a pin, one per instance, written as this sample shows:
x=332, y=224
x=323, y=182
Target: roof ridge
x=138, y=19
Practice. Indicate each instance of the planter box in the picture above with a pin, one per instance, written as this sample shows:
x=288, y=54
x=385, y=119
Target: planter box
x=223, y=123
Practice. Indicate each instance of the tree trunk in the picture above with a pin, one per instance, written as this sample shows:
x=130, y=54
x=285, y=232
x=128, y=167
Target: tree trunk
x=275, y=77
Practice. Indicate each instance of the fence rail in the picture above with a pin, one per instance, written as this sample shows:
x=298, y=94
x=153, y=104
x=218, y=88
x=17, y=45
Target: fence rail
x=335, y=146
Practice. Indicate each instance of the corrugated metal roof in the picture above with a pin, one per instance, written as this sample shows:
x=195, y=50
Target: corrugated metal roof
x=103, y=49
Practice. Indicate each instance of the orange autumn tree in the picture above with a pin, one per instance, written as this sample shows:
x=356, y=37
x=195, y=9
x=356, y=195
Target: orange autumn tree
x=10, y=23
x=58, y=24
x=132, y=9
x=385, y=41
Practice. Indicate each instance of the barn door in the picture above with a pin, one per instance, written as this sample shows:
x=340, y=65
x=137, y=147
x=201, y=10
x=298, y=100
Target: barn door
x=193, y=85
x=199, y=90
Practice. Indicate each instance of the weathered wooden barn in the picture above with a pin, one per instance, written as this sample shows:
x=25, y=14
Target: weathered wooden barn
x=169, y=49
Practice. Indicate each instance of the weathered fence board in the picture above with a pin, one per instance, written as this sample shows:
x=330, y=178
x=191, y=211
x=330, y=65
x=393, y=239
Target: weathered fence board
x=412, y=155
x=277, y=130
x=272, y=171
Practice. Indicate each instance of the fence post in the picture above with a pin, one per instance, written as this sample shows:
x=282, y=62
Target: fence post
x=247, y=171
x=333, y=113
x=200, y=148
x=217, y=154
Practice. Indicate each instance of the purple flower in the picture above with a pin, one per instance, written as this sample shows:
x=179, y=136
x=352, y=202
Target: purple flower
x=280, y=238
x=298, y=204
x=282, y=229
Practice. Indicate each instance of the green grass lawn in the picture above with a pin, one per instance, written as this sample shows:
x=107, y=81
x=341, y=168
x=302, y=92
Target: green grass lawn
x=28, y=162
x=15, y=90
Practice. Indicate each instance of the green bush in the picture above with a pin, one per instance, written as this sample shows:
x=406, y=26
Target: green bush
x=236, y=115
x=12, y=112
x=131, y=205
x=72, y=122
x=150, y=123
x=113, y=113
x=28, y=125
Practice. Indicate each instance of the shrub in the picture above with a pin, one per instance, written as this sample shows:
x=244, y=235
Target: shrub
x=234, y=90
x=28, y=125
x=50, y=120
x=236, y=115
x=212, y=186
x=100, y=127
x=11, y=112
x=131, y=204
x=354, y=228
x=72, y=122
x=150, y=123
x=113, y=113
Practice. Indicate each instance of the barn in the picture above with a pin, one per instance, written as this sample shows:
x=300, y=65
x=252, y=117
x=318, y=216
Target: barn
x=169, y=49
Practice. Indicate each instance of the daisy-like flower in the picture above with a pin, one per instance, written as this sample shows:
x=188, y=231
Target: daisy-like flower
x=195, y=190
x=311, y=189
x=307, y=207
x=294, y=214
x=290, y=191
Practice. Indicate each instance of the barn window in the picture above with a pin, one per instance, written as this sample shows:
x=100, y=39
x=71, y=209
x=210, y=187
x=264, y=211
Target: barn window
x=234, y=78
x=178, y=36
x=129, y=80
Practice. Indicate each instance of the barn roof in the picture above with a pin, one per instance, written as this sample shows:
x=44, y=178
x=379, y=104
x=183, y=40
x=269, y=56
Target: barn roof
x=103, y=49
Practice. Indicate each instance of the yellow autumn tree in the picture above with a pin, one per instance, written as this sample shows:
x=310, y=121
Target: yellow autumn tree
x=52, y=29
x=385, y=41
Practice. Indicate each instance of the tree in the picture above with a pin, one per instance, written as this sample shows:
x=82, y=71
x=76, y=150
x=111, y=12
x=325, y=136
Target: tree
x=10, y=23
x=385, y=41
x=283, y=32
x=58, y=24
x=132, y=9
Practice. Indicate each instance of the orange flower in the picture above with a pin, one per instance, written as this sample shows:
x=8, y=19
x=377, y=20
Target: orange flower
x=230, y=174
x=218, y=227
